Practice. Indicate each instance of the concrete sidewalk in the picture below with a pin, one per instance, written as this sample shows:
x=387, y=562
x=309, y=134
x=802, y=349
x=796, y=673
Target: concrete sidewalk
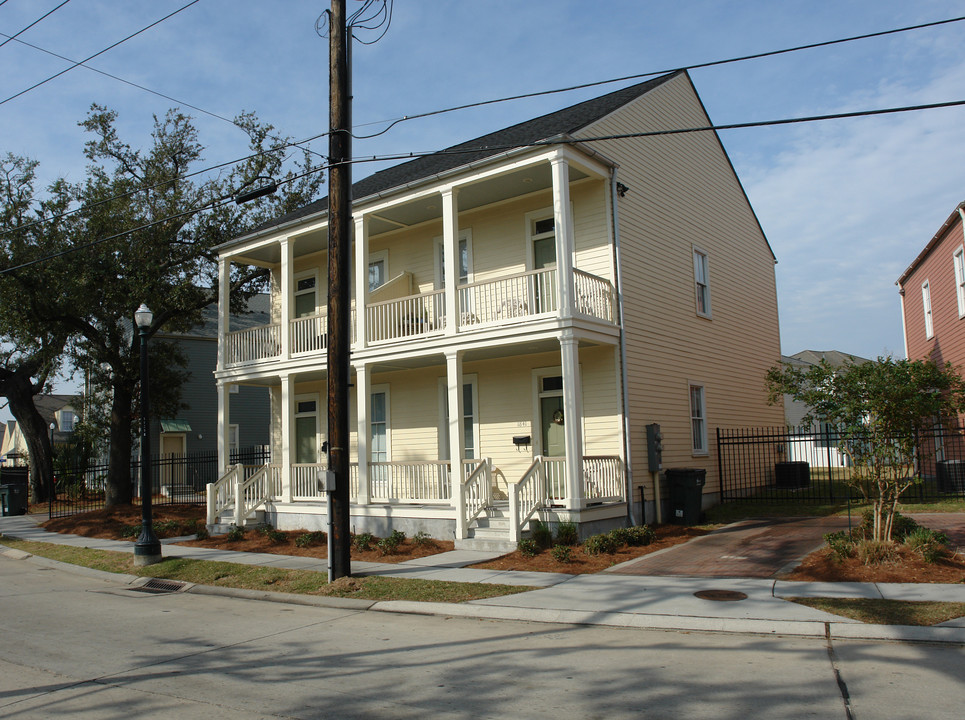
x=612, y=598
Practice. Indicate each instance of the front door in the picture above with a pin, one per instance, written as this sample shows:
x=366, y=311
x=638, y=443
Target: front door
x=172, y=460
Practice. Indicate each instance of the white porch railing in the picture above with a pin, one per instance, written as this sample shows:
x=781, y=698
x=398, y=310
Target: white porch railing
x=309, y=334
x=243, y=489
x=408, y=317
x=304, y=480
x=253, y=344
x=516, y=297
x=221, y=494
x=594, y=296
x=410, y=482
x=603, y=479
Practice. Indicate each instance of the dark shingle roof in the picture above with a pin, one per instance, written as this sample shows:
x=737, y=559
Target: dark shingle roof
x=562, y=122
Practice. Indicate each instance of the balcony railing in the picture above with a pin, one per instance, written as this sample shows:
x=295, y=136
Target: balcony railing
x=514, y=299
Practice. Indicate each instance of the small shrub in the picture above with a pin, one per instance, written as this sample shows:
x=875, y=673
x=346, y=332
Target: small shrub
x=599, y=545
x=931, y=545
x=901, y=527
x=390, y=544
x=840, y=543
x=422, y=539
x=276, y=536
x=235, y=534
x=640, y=535
x=875, y=552
x=528, y=547
x=620, y=536
x=131, y=531
x=541, y=534
x=312, y=538
x=362, y=541
x=567, y=534
x=561, y=553
x=201, y=532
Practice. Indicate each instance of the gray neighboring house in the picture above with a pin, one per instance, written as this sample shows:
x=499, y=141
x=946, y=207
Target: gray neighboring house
x=195, y=429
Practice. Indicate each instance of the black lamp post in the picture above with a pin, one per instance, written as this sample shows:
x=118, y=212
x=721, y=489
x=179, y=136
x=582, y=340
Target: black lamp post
x=147, y=549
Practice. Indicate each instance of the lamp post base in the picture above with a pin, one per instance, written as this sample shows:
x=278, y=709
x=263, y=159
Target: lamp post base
x=147, y=551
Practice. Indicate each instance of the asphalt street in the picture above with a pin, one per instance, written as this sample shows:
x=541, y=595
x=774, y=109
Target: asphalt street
x=85, y=647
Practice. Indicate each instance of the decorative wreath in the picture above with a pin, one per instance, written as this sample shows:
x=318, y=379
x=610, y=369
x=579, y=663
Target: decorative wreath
x=558, y=417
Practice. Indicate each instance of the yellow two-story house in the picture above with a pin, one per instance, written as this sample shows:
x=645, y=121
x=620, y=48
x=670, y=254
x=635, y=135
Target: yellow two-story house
x=524, y=304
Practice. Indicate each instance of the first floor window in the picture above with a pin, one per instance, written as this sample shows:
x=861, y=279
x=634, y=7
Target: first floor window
x=698, y=419
x=469, y=419
x=306, y=429
x=379, y=424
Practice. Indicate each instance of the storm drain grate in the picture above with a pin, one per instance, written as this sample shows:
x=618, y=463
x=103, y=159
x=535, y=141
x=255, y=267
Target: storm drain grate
x=158, y=586
x=721, y=595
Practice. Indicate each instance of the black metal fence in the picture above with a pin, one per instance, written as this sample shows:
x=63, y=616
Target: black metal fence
x=176, y=479
x=798, y=465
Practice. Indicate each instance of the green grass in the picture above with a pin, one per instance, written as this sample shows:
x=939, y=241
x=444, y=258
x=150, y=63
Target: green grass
x=887, y=612
x=253, y=577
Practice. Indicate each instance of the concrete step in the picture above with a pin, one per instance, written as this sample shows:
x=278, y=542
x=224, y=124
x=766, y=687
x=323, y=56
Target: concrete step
x=227, y=521
x=486, y=544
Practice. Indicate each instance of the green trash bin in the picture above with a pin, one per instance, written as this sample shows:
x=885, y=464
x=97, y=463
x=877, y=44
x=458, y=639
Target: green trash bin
x=686, y=491
x=14, y=499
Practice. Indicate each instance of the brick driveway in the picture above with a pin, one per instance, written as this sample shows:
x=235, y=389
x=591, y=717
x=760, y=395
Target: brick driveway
x=763, y=548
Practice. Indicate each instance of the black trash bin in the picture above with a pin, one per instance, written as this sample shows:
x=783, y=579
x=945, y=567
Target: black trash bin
x=794, y=474
x=686, y=490
x=951, y=476
x=13, y=490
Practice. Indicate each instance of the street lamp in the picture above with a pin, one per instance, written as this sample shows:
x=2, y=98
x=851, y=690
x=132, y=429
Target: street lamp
x=147, y=549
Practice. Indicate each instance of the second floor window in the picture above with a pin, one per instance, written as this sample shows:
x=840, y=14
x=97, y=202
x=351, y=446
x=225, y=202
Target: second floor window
x=305, y=296
x=702, y=283
x=926, y=306
x=960, y=279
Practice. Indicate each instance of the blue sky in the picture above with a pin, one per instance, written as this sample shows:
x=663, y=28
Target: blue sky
x=845, y=204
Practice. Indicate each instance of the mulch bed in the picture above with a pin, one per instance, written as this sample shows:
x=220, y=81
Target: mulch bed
x=909, y=567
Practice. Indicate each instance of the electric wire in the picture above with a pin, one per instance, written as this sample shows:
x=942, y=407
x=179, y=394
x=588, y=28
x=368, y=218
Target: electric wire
x=539, y=143
x=640, y=76
x=42, y=17
x=101, y=52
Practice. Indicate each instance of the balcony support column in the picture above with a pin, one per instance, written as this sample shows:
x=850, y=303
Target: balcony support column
x=224, y=426
x=450, y=254
x=563, y=221
x=287, y=257
x=457, y=428
x=361, y=282
x=362, y=389
x=287, y=430
x=224, y=296
x=572, y=419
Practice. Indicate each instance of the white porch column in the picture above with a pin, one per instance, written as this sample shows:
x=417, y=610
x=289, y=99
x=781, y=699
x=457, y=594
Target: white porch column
x=224, y=294
x=361, y=281
x=457, y=429
x=287, y=429
x=362, y=391
x=572, y=419
x=287, y=257
x=224, y=426
x=450, y=250
x=563, y=220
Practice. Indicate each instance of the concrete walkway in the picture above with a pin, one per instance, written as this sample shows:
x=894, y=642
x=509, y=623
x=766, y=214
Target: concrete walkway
x=624, y=596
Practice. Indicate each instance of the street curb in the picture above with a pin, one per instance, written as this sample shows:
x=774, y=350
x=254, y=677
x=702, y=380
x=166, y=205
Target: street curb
x=336, y=603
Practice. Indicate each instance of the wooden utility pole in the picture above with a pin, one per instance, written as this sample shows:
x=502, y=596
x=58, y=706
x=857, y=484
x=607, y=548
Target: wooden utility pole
x=339, y=279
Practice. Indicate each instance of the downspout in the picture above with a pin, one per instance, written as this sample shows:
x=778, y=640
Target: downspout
x=623, y=351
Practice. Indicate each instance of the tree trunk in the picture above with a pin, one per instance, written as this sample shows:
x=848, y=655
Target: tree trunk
x=119, y=481
x=19, y=391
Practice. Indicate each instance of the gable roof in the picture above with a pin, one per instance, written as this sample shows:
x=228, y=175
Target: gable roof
x=931, y=243
x=835, y=358
x=552, y=125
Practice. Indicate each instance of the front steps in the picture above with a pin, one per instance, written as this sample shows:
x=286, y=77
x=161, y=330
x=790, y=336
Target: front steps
x=227, y=521
x=490, y=532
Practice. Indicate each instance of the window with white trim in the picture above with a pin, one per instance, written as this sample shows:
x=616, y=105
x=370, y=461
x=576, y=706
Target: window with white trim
x=378, y=269
x=379, y=424
x=702, y=282
x=959, y=261
x=926, y=307
x=233, y=436
x=306, y=429
x=305, y=294
x=465, y=259
x=698, y=420
x=469, y=418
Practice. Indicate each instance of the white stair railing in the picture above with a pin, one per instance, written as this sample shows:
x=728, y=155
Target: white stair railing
x=474, y=496
x=252, y=493
x=526, y=497
x=220, y=494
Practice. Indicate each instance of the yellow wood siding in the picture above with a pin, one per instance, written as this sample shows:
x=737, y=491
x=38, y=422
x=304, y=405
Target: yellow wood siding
x=683, y=192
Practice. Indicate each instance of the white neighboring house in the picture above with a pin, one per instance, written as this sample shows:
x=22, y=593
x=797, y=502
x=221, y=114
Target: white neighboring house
x=813, y=444
x=524, y=304
x=59, y=410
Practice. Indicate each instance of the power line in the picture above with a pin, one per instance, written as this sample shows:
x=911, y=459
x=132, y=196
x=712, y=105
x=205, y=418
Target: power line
x=42, y=17
x=539, y=143
x=101, y=52
x=640, y=76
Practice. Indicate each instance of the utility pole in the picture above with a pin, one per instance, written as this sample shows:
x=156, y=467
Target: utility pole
x=339, y=278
